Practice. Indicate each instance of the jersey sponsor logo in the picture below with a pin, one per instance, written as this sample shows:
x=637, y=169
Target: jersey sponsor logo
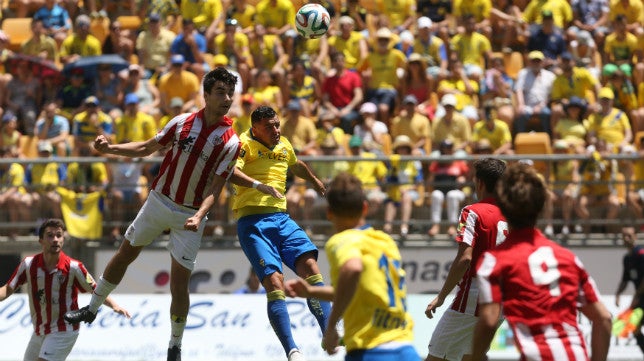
x=186, y=144
x=278, y=156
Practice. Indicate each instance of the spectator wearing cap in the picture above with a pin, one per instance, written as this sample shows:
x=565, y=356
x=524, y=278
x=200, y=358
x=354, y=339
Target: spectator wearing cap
x=71, y=97
x=560, y=10
x=414, y=125
x=405, y=43
x=55, y=19
x=548, y=39
x=440, y=13
x=445, y=182
x=493, y=129
x=403, y=177
x=380, y=74
x=41, y=180
x=370, y=130
x=452, y=125
x=472, y=48
x=571, y=127
x=23, y=96
x=608, y=124
x=39, y=44
x=54, y=128
x=192, y=46
x=276, y=16
x=202, y=13
x=167, y=12
x=153, y=46
x=303, y=88
x=625, y=98
x=134, y=125
x=148, y=93
x=9, y=133
x=176, y=108
x=89, y=124
x=350, y=42
x=244, y=12
x=178, y=83
x=432, y=48
x=80, y=43
x=417, y=82
x=572, y=81
x=233, y=44
x=342, y=93
x=532, y=89
x=299, y=129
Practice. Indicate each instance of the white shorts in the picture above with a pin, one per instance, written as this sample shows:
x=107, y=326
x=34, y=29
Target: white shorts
x=52, y=347
x=452, y=337
x=160, y=213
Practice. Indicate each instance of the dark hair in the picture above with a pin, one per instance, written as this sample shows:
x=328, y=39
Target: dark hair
x=336, y=54
x=50, y=223
x=261, y=113
x=345, y=196
x=521, y=194
x=489, y=171
x=218, y=74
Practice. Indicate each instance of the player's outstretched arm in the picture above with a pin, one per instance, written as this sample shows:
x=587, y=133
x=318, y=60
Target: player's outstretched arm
x=601, y=329
x=131, y=149
x=109, y=302
x=302, y=170
x=241, y=179
x=485, y=328
x=300, y=288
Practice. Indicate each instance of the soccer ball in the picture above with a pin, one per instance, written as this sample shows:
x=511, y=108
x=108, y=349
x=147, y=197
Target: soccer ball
x=312, y=21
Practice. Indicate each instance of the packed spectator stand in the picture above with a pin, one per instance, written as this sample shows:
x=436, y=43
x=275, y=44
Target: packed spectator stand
x=403, y=94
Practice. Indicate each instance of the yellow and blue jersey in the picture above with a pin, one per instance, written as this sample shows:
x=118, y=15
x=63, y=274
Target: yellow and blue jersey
x=377, y=313
x=266, y=165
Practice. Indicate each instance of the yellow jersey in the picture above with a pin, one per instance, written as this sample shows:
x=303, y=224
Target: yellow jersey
x=93, y=174
x=471, y=48
x=368, y=171
x=377, y=313
x=384, y=68
x=139, y=128
x=577, y=84
x=183, y=85
x=349, y=47
x=498, y=136
x=620, y=50
x=13, y=177
x=275, y=15
x=561, y=12
x=479, y=8
x=397, y=11
x=202, y=12
x=268, y=166
x=268, y=53
x=611, y=127
x=73, y=44
x=402, y=175
x=241, y=123
x=633, y=11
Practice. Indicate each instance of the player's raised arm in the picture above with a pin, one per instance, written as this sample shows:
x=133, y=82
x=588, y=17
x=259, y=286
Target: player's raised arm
x=241, y=179
x=131, y=149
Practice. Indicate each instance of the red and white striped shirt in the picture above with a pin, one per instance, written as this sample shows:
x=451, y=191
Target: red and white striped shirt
x=482, y=227
x=53, y=293
x=540, y=286
x=198, y=152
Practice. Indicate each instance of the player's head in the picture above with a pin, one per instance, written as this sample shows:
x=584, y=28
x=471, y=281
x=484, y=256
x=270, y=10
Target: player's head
x=51, y=235
x=628, y=236
x=219, y=74
x=489, y=171
x=265, y=125
x=521, y=195
x=345, y=198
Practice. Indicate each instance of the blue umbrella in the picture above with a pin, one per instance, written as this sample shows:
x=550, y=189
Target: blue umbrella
x=89, y=64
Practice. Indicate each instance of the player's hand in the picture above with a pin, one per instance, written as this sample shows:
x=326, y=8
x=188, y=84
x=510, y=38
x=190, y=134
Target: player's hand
x=121, y=311
x=297, y=288
x=192, y=224
x=432, y=306
x=101, y=144
x=331, y=340
x=271, y=191
x=319, y=187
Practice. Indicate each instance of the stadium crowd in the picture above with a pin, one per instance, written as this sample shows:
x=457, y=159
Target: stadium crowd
x=390, y=79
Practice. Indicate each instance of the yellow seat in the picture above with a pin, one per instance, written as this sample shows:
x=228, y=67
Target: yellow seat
x=386, y=144
x=18, y=30
x=533, y=143
x=513, y=63
x=100, y=28
x=130, y=22
x=28, y=146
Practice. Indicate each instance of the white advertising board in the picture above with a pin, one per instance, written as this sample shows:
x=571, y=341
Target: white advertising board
x=225, y=328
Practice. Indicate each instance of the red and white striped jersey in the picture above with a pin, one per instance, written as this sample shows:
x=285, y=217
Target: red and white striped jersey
x=53, y=293
x=540, y=286
x=198, y=153
x=482, y=227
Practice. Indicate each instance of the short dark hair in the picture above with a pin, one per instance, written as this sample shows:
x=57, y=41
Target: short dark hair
x=50, y=223
x=489, y=171
x=345, y=196
x=521, y=194
x=261, y=113
x=218, y=74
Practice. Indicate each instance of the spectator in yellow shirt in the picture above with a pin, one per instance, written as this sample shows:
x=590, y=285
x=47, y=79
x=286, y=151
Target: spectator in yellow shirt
x=632, y=10
x=472, y=49
x=178, y=83
x=80, y=43
x=609, y=124
x=277, y=16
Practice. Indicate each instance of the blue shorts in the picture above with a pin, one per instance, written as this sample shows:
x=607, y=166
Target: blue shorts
x=270, y=239
x=403, y=353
